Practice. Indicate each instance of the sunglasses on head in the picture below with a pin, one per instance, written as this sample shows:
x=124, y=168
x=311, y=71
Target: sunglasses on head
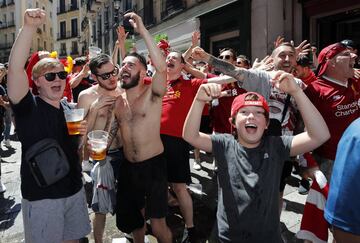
x=51, y=76
x=113, y=73
x=226, y=57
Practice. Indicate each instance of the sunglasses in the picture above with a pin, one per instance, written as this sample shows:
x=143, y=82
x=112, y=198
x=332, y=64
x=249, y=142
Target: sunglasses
x=51, y=76
x=113, y=73
x=226, y=57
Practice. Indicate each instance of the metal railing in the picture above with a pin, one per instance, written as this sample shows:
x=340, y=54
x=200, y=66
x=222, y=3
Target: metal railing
x=5, y=45
x=67, y=35
x=7, y=24
x=67, y=8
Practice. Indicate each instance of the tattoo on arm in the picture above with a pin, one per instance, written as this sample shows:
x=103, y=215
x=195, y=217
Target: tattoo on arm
x=228, y=69
x=113, y=131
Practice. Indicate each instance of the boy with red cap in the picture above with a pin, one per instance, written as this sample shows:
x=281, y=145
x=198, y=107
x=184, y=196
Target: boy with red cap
x=249, y=175
x=337, y=96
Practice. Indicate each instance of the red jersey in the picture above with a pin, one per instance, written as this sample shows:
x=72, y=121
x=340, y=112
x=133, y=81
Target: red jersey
x=220, y=113
x=176, y=104
x=309, y=79
x=339, y=106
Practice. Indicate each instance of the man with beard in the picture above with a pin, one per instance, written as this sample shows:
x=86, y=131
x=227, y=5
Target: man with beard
x=98, y=104
x=283, y=110
x=142, y=184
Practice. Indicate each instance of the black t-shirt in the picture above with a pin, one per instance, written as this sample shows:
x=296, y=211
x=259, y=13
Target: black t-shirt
x=35, y=120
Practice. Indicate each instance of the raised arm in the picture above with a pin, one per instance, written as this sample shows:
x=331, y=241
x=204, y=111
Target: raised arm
x=191, y=130
x=75, y=80
x=222, y=66
x=119, y=45
x=157, y=59
x=195, y=37
x=18, y=84
x=317, y=131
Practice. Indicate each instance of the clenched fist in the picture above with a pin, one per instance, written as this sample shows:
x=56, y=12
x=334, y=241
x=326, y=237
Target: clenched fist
x=34, y=17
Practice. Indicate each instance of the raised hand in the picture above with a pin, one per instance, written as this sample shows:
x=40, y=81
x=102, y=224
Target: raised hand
x=121, y=34
x=209, y=91
x=34, y=17
x=195, y=37
x=199, y=54
x=303, y=48
x=285, y=82
x=278, y=41
x=135, y=21
x=265, y=64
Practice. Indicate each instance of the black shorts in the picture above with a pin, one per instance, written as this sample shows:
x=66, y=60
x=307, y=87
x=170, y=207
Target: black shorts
x=286, y=172
x=205, y=125
x=141, y=185
x=176, y=152
x=117, y=157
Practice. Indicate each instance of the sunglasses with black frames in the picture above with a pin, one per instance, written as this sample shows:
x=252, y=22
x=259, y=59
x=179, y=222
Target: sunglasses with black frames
x=113, y=73
x=51, y=76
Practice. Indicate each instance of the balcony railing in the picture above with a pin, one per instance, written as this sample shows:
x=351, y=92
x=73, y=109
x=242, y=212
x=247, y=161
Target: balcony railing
x=10, y=2
x=67, y=8
x=8, y=24
x=5, y=46
x=11, y=23
x=171, y=7
x=148, y=16
x=67, y=35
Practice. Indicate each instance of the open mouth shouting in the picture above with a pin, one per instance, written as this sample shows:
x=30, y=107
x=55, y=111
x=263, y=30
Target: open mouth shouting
x=251, y=128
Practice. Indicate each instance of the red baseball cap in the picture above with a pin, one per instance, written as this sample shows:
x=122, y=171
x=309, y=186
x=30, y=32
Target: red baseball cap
x=326, y=54
x=240, y=102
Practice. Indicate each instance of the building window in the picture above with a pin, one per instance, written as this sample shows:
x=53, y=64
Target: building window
x=51, y=31
x=13, y=37
x=62, y=6
x=63, y=49
x=74, y=47
x=5, y=38
x=50, y=15
x=127, y=4
x=74, y=28
x=44, y=27
x=37, y=4
x=74, y=4
x=62, y=29
x=45, y=47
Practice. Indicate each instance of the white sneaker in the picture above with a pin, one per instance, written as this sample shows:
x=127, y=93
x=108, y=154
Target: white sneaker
x=196, y=165
x=2, y=187
x=87, y=166
x=7, y=143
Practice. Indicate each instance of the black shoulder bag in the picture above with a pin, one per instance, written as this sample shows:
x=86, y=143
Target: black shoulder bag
x=47, y=161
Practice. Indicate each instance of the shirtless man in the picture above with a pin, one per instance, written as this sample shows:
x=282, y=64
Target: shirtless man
x=98, y=102
x=142, y=185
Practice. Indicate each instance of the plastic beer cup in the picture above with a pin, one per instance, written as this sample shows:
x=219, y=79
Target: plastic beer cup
x=73, y=119
x=98, y=141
